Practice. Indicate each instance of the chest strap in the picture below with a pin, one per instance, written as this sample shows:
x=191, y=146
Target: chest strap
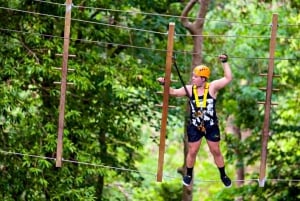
x=204, y=96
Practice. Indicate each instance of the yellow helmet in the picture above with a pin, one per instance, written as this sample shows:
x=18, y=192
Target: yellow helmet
x=202, y=71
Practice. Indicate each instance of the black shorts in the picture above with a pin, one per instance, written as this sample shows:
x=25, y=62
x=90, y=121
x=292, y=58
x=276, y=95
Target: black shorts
x=212, y=133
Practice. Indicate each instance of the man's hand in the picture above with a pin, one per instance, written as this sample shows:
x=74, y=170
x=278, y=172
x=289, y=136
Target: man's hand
x=161, y=80
x=223, y=58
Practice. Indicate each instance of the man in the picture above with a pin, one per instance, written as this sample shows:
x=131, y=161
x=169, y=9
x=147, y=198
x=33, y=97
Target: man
x=203, y=118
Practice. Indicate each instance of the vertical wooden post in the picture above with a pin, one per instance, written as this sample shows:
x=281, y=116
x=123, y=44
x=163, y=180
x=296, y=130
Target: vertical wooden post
x=165, y=102
x=63, y=89
x=268, y=103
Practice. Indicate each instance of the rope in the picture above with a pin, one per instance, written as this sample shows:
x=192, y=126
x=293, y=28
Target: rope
x=76, y=162
x=131, y=170
x=83, y=40
x=164, y=15
x=149, y=31
x=236, y=36
x=85, y=21
x=180, y=78
x=139, y=47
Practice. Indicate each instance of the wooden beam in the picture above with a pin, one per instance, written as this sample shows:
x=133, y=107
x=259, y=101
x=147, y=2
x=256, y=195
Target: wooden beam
x=265, y=74
x=59, y=68
x=265, y=133
x=165, y=102
x=169, y=106
x=265, y=89
x=70, y=55
x=68, y=83
x=263, y=103
x=59, y=149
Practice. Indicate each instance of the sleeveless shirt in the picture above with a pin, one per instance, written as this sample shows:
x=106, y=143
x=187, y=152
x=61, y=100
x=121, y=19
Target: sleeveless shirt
x=209, y=113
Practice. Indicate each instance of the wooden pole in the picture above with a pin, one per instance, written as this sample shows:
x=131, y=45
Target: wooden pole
x=165, y=102
x=63, y=89
x=268, y=103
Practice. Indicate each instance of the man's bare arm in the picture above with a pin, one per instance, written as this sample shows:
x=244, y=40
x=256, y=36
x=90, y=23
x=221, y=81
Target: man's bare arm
x=221, y=83
x=180, y=92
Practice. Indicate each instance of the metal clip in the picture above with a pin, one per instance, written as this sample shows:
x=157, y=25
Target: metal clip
x=198, y=114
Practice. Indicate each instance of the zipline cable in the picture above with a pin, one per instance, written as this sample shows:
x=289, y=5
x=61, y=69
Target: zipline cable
x=148, y=31
x=89, y=22
x=162, y=15
x=84, y=40
x=140, y=47
x=135, y=171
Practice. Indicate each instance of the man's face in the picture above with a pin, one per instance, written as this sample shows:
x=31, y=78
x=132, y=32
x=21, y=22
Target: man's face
x=198, y=80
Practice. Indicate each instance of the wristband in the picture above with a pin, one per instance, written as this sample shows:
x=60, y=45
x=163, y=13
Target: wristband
x=224, y=60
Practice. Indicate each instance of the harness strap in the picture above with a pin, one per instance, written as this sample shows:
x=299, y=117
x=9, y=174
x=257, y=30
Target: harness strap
x=204, y=96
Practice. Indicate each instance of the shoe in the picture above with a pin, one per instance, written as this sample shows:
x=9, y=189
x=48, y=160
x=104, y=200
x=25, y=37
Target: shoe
x=226, y=181
x=187, y=179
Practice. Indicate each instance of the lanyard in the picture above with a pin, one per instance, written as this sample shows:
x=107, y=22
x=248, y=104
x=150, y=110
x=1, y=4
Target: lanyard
x=204, y=96
x=182, y=82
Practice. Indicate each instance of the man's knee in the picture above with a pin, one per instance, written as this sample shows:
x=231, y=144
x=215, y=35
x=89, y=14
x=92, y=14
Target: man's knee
x=216, y=152
x=193, y=150
x=192, y=153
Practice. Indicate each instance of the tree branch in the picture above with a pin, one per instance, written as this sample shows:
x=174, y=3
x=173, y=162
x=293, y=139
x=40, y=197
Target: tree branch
x=184, y=16
x=202, y=13
x=30, y=52
x=196, y=27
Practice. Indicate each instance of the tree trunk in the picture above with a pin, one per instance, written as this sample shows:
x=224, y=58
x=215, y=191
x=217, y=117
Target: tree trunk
x=232, y=129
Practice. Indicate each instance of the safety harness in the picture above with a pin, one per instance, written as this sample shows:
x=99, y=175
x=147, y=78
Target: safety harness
x=197, y=109
x=198, y=112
